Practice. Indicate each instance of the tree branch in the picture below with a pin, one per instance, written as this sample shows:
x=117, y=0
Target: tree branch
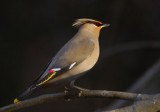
x=33, y=101
x=72, y=95
x=150, y=105
x=144, y=84
x=147, y=103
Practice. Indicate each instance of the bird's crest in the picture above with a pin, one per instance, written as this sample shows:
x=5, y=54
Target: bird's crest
x=80, y=22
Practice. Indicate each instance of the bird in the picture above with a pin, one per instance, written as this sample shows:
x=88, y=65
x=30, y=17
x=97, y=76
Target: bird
x=75, y=58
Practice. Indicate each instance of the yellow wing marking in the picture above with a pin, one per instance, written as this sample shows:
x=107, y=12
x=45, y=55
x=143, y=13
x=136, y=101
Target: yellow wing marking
x=16, y=101
x=47, y=79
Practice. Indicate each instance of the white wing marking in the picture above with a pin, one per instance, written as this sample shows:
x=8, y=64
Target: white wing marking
x=56, y=69
x=71, y=66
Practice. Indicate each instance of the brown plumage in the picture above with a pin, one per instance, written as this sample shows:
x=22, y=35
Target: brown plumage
x=77, y=56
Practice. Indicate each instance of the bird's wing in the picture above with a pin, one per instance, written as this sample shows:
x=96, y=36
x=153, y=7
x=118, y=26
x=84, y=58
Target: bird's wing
x=72, y=54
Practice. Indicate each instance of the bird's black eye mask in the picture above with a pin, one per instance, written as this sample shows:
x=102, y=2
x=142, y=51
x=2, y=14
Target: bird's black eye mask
x=95, y=23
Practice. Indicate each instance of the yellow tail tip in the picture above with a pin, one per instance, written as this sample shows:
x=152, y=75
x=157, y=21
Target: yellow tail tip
x=16, y=101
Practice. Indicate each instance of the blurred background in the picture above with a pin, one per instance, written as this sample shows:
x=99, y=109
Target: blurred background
x=32, y=32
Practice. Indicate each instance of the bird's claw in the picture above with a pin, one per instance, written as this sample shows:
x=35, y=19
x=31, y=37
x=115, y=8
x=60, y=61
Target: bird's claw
x=72, y=85
x=67, y=89
x=73, y=90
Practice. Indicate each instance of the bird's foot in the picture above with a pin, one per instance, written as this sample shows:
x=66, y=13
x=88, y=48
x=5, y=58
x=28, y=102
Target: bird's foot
x=72, y=85
x=73, y=91
x=66, y=91
x=70, y=93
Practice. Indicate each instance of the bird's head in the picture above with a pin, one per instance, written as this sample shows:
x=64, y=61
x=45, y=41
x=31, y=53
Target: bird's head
x=89, y=23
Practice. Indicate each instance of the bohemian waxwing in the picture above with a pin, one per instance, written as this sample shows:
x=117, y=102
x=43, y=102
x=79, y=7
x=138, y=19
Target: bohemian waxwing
x=77, y=56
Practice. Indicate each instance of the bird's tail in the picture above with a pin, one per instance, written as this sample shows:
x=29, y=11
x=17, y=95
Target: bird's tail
x=24, y=95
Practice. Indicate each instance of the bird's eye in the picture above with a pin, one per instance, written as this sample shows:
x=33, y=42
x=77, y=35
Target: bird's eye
x=97, y=24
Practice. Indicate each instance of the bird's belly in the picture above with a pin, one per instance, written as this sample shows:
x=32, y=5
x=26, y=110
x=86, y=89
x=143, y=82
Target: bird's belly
x=77, y=70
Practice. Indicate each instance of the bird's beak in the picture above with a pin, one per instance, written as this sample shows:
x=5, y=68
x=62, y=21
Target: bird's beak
x=105, y=25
